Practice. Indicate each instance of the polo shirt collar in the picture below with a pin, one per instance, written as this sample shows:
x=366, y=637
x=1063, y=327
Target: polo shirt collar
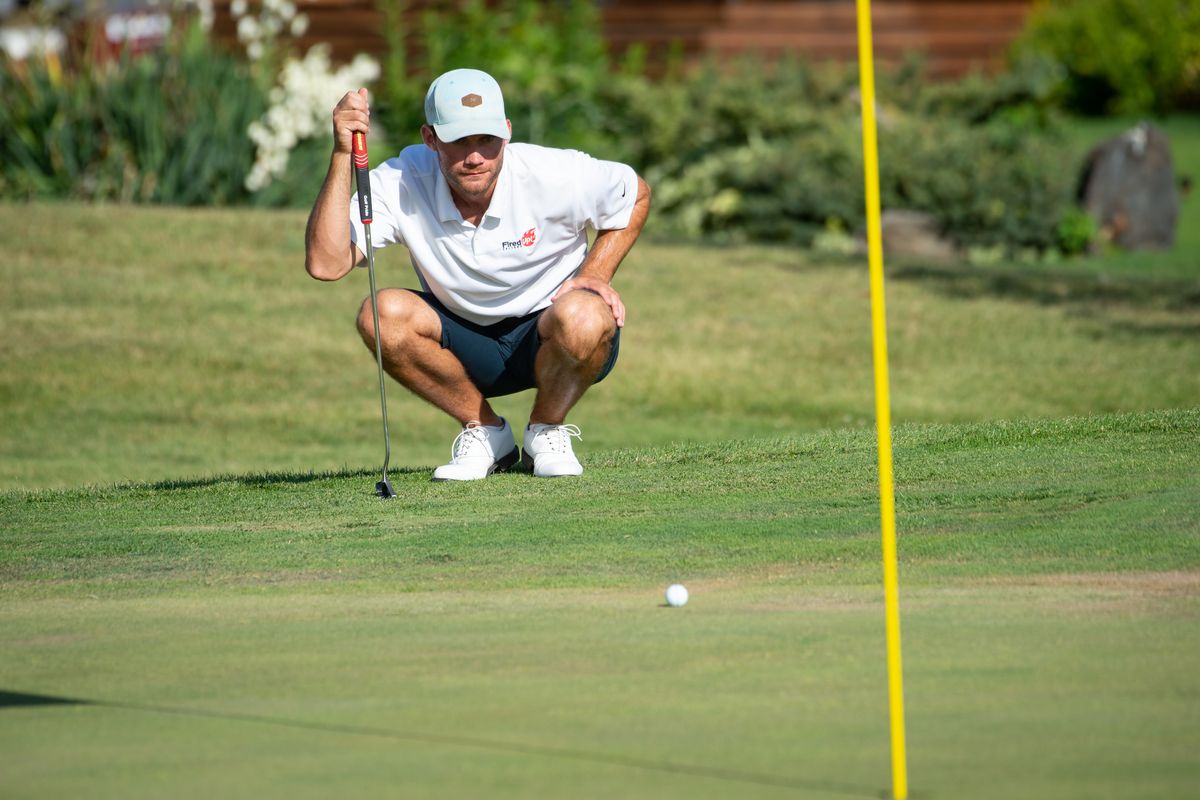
x=444, y=201
x=502, y=196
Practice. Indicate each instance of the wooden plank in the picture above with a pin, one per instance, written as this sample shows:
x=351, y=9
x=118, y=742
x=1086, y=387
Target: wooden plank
x=762, y=15
x=953, y=40
x=955, y=34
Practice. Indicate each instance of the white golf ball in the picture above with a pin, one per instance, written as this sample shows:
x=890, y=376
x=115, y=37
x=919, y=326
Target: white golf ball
x=677, y=595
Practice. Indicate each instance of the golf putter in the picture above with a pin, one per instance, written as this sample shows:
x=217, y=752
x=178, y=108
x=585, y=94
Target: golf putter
x=362, y=177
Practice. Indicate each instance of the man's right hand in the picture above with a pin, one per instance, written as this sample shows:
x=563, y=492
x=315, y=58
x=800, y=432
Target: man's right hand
x=351, y=115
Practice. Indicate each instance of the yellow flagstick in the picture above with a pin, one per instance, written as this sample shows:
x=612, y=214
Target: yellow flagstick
x=883, y=414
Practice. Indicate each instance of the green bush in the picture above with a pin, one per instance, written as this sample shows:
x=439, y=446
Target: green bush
x=549, y=58
x=999, y=183
x=168, y=127
x=1119, y=56
x=774, y=154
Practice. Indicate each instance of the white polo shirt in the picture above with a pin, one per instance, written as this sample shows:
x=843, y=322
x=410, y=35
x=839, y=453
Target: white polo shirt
x=531, y=240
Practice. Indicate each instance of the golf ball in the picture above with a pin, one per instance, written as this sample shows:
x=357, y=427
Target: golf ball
x=677, y=595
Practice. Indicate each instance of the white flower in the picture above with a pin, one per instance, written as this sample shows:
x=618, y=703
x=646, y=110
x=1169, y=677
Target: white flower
x=365, y=68
x=247, y=29
x=238, y=8
x=254, y=50
x=299, y=25
x=306, y=90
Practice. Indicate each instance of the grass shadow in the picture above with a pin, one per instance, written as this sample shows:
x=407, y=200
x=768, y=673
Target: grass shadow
x=18, y=699
x=265, y=479
x=1053, y=286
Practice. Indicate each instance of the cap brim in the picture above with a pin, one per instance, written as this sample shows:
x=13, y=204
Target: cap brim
x=453, y=131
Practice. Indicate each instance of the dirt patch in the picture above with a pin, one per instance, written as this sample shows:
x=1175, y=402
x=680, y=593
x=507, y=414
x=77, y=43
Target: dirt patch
x=1174, y=583
x=1085, y=593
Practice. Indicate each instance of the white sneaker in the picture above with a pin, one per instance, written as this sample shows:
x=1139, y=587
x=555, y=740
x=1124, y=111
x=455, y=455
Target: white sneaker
x=479, y=451
x=548, y=450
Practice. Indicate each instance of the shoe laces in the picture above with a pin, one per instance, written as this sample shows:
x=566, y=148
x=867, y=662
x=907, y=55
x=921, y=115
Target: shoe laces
x=471, y=441
x=558, y=437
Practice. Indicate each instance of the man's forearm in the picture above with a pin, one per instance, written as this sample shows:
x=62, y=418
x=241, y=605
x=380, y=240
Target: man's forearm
x=328, y=251
x=611, y=246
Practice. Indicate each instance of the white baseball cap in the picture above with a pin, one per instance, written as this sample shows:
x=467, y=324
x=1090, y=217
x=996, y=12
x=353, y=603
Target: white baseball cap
x=465, y=102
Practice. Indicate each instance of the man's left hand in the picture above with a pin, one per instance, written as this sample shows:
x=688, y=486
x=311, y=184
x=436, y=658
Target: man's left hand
x=596, y=286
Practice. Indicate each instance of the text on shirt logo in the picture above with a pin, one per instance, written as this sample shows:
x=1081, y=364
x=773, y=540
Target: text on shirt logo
x=527, y=239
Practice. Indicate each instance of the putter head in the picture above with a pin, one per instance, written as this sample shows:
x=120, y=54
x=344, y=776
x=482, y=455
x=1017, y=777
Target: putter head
x=384, y=489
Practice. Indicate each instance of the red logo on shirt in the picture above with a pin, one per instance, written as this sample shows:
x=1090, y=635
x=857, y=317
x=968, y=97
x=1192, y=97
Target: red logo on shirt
x=527, y=239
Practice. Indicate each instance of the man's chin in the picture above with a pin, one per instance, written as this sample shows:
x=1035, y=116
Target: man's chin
x=475, y=189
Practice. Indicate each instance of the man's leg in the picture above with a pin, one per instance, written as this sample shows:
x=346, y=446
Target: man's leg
x=413, y=355
x=577, y=333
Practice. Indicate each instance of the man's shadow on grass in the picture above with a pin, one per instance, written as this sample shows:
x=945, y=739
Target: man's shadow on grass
x=267, y=479
x=26, y=700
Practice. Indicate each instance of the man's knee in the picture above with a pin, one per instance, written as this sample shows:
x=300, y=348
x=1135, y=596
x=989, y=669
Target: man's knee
x=581, y=322
x=400, y=315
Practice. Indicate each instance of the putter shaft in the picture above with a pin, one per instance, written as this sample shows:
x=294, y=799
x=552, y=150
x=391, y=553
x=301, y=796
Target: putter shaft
x=362, y=178
x=387, y=439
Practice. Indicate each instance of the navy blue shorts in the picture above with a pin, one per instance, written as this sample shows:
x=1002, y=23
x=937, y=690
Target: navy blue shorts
x=499, y=358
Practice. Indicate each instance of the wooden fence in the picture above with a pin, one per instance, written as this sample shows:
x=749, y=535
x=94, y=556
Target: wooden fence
x=955, y=35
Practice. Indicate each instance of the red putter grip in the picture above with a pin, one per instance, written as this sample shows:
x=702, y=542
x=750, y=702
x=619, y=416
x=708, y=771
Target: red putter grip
x=362, y=177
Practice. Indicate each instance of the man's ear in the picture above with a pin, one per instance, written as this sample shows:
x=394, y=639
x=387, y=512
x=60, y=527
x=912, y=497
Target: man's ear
x=429, y=137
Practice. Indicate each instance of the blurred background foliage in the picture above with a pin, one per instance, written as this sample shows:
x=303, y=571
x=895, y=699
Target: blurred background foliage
x=744, y=151
x=168, y=127
x=1119, y=56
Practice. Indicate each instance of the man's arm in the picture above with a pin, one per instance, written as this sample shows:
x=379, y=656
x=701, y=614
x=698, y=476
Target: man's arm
x=606, y=254
x=328, y=252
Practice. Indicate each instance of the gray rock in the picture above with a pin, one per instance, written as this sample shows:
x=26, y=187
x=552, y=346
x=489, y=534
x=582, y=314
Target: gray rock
x=915, y=235
x=1128, y=187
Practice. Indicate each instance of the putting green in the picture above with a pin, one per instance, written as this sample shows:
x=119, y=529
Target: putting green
x=292, y=635
x=1079, y=687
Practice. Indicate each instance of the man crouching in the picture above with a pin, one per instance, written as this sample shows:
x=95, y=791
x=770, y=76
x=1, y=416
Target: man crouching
x=512, y=296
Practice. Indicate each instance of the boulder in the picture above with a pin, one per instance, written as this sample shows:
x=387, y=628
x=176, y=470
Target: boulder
x=914, y=235
x=1128, y=187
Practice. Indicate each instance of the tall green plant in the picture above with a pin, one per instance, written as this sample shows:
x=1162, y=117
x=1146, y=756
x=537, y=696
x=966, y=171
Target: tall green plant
x=168, y=127
x=549, y=58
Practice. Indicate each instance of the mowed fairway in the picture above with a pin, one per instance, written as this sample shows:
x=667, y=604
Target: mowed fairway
x=145, y=344
x=247, y=620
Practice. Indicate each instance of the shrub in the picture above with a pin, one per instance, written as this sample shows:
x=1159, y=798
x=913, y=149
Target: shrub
x=168, y=127
x=549, y=59
x=1119, y=56
x=997, y=183
x=747, y=153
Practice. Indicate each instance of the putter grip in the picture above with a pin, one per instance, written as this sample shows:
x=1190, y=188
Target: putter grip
x=362, y=177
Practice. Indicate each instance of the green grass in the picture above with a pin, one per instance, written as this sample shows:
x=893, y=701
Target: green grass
x=190, y=547
x=144, y=344
x=282, y=634
x=1042, y=497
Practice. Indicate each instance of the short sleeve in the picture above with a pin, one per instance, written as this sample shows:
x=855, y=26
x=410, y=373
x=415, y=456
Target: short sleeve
x=385, y=226
x=608, y=191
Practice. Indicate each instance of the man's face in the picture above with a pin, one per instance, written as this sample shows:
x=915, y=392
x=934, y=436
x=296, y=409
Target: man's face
x=471, y=164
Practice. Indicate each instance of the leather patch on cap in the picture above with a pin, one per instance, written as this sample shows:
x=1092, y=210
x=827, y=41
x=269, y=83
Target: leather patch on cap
x=472, y=100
